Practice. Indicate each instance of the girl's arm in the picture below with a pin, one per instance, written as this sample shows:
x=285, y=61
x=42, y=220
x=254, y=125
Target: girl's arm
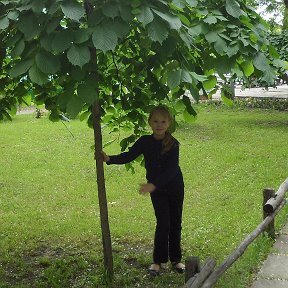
x=126, y=157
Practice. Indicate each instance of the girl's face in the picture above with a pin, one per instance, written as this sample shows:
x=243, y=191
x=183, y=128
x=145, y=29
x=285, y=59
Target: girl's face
x=159, y=124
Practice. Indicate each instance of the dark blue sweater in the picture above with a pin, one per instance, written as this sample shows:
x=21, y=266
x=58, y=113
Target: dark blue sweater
x=162, y=170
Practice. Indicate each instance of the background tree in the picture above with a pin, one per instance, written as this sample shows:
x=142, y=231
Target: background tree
x=278, y=29
x=108, y=61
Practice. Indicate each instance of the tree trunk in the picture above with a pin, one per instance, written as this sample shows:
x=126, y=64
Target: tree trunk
x=96, y=114
x=106, y=237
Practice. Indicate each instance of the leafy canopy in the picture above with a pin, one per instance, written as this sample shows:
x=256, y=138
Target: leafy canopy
x=146, y=52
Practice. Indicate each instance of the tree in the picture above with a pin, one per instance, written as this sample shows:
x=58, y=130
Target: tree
x=277, y=35
x=108, y=61
x=275, y=8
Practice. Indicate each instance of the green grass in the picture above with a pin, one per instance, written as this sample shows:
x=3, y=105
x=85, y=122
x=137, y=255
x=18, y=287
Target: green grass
x=50, y=227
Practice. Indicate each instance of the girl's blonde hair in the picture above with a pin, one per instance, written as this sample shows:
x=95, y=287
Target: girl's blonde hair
x=169, y=140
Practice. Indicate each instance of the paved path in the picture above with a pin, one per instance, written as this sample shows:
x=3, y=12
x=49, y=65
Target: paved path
x=274, y=272
x=278, y=92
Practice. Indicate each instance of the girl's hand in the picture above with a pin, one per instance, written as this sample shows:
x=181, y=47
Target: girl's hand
x=104, y=156
x=146, y=188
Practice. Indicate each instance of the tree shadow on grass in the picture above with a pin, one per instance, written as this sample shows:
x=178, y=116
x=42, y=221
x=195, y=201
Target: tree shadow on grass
x=261, y=123
x=83, y=267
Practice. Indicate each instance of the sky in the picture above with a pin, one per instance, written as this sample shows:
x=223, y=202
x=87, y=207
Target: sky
x=268, y=16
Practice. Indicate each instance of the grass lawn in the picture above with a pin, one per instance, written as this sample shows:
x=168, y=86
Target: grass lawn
x=50, y=228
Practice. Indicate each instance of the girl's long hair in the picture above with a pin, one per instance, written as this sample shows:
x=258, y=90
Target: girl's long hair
x=168, y=141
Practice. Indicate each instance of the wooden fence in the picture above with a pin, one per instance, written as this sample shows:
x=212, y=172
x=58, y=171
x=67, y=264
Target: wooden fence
x=205, y=276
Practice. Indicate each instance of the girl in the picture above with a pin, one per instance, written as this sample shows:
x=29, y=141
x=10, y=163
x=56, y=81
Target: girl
x=164, y=184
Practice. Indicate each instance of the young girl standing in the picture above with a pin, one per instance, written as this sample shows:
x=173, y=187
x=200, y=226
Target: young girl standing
x=164, y=184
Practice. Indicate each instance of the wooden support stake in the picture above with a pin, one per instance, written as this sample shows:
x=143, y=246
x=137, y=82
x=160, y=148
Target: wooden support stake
x=275, y=201
x=199, y=278
x=192, y=267
x=267, y=194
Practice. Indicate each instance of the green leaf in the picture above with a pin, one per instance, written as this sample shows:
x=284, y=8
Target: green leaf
x=186, y=77
x=248, y=68
x=82, y=35
x=187, y=38
x=225, y=37
x=47, y=62
x=54, y=7
x=53, y=25
x=174, y=78
x=233, y=8
x=187, y=101
x=220, y=46
x=18, y=49
x=108, y=143
x=194, y=91
x=125, y=13
x=78, y=55
x=157, y=31
x=232, y=50
x=280, y=64
x=83, y=116
x=184, y=20
x=104, y=38
x=65, y=96
x=110, y=10
x=210, y=19
x=212, y=36
x=13, y=15
x=74, y=106
x=77, y=73
x=192, y=3
x=198, y=77
x=253, y=38
x=62, y=41
x=226, y=100
x=273, y=52
x=13, y=39
x=269, y=76
x=54, y=116
x=189, y=118
x=178, y=76
x=37, y=76
x=173, y=21
x=46, y=42
x=179, y=3
x=21, y=67
x=13, y=109
x=261, y=62
x=145, y=16
x=120, y=27
x=38, y=6
x=210, y=83
x=135, y=3
x=4, y=23
x=27, y=99
x=73, y=10
x=29, y=26
x=87, y=93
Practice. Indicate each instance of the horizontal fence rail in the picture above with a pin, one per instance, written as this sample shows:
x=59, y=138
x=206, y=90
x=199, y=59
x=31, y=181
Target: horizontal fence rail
x=206, y=277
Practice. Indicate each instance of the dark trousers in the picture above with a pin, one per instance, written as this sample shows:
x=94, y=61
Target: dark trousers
x=168, y=211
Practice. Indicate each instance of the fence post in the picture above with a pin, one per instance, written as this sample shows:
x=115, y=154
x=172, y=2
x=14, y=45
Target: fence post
x=192, y=267
x=267, y=194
